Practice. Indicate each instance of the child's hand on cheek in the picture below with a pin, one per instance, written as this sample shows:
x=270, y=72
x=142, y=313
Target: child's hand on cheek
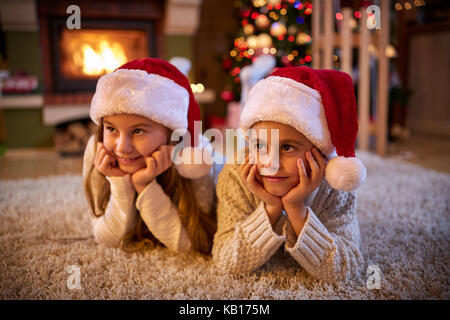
x=294, y=200
x=273, y=204
x=158, y=162
x=106, y=163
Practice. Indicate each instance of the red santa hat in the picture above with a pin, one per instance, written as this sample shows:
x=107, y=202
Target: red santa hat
x=321, y=105
x=157, y=90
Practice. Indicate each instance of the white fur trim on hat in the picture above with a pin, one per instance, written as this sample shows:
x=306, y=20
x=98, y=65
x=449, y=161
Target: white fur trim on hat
x=283, y=100
x=345, y=174
x=136, y=91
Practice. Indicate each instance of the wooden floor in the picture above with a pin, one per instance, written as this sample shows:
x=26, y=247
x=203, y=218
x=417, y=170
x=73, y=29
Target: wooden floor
x=429, y=152
x=34, y=163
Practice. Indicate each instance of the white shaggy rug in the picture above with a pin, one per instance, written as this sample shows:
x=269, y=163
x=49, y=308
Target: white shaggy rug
x=46, y=241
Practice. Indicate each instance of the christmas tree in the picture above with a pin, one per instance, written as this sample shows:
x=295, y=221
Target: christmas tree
x=278, y=27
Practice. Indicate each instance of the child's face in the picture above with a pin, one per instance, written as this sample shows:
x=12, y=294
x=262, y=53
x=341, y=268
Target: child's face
x=131, y=138
x=292, y=146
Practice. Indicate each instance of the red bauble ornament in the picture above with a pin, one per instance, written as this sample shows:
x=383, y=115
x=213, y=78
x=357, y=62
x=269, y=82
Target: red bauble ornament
x=227, y=95
x=227, y=64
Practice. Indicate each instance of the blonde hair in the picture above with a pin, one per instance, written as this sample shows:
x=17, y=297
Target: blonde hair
x=200, y=225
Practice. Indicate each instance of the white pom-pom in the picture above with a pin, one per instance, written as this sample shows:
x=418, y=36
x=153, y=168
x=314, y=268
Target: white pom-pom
x=196, y=162
x=345, y=174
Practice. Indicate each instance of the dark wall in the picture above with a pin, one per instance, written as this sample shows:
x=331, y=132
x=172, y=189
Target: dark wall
x=218, y=22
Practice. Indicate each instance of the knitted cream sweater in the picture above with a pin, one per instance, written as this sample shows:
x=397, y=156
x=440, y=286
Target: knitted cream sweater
x=327, y=247
x=154, y=205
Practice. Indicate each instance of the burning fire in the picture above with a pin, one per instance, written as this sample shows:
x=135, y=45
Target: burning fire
x=104, y=58
x=91, y=53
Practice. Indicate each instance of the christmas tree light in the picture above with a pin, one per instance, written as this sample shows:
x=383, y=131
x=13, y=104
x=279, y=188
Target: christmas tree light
x=278, y=27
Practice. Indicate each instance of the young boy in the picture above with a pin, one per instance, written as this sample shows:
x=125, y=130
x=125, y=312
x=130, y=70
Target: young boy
x=307, y=202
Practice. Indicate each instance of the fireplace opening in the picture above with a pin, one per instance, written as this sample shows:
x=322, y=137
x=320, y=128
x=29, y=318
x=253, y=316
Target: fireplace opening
x=82, y=56
x=87, y=54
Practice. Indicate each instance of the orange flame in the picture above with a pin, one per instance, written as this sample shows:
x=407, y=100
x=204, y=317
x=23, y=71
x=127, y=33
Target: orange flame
x=102, y=59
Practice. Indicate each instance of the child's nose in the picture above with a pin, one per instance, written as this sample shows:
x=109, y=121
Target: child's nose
x=270, y=164
x=124, y=145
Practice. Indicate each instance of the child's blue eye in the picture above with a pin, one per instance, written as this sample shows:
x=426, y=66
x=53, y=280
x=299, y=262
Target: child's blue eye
x=287, y=148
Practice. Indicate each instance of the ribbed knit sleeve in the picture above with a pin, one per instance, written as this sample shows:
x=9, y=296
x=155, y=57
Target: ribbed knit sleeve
x=245, y=239
x=162, y=219
x=328, y=248
x=120, y=213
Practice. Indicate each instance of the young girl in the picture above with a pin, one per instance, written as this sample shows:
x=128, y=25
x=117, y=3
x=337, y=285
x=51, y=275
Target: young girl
x=135, y=193
x=314, y=114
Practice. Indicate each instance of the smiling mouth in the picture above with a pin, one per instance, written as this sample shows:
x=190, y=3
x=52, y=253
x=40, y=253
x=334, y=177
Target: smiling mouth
x=127, y=160
x=274, y=179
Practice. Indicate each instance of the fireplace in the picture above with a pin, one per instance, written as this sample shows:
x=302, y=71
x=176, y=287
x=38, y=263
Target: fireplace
x=112, y=32
x=91, y=53
x=81, y=56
